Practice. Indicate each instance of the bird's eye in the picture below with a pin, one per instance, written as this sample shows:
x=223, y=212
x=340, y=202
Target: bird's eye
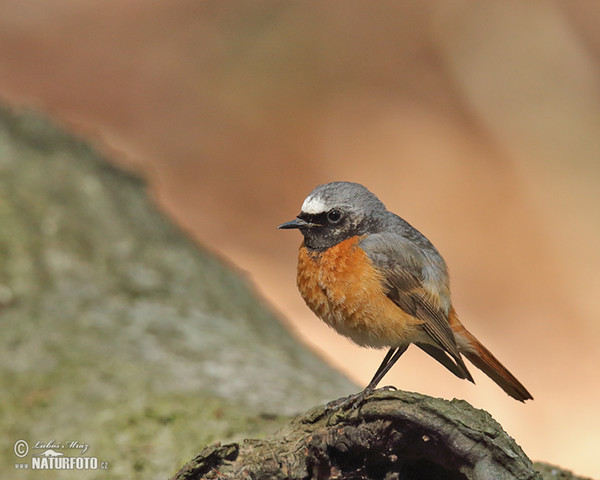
x=334, y=216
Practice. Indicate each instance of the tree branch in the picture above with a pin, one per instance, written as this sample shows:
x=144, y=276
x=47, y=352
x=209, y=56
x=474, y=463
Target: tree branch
x=394, y=435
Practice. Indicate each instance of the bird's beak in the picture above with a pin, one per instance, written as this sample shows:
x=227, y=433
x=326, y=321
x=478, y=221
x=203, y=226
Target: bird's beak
x=295, y=223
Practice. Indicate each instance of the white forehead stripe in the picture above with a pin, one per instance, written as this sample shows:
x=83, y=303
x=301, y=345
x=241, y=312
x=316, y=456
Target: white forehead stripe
x=313, y=205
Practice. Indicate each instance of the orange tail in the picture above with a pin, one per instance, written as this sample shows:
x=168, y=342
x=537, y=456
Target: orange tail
x=483, y=359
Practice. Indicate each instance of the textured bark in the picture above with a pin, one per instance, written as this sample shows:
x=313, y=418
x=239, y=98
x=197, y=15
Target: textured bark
x=394, y=435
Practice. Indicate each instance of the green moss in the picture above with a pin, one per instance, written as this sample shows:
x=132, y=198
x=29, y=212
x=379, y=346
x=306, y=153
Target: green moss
x=117, y=331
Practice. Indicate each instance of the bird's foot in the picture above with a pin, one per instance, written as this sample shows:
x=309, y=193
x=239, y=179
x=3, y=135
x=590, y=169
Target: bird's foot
x=356, y=400
x=349, y=403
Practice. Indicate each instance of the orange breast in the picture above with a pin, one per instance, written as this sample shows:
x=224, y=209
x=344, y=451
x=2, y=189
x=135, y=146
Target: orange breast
x=343, y=288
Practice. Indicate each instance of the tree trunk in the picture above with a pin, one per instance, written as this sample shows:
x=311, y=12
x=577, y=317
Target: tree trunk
x=117, y=330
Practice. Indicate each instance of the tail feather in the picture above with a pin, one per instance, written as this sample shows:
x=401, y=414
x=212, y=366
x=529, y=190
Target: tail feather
x=485, y=361
x=488, y=364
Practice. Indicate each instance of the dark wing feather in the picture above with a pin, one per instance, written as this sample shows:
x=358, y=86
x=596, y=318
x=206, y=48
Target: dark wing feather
x=397, y=258
x=447, y=361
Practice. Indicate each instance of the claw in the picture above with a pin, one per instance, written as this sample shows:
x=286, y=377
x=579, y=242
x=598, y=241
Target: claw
x=388, y=388
x=349, y=403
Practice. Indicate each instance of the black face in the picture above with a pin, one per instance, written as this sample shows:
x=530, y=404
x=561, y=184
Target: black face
x=326, y=229
x=343, y=210
x=325, y=219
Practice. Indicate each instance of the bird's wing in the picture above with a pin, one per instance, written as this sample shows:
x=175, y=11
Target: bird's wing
x=416, y=280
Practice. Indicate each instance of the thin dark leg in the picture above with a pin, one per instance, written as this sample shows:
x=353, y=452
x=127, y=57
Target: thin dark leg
x=357, y=399
x=388, y=362
x=385, y=361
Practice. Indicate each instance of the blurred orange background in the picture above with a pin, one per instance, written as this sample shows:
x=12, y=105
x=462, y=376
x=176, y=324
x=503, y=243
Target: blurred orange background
x=479, y=123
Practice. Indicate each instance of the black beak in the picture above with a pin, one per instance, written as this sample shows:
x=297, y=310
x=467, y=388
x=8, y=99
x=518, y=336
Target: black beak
x=295, y=223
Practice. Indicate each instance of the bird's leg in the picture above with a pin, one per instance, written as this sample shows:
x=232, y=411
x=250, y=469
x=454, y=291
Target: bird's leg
x=354, y=401
x=388, y=362
x=386, y=359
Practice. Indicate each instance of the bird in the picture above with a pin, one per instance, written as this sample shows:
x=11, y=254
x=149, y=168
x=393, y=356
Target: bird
x=375, y=279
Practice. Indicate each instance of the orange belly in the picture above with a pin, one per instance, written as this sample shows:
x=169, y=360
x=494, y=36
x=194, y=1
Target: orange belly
x=344, y=289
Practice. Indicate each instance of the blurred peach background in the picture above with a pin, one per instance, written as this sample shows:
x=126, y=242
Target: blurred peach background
x=479, y=123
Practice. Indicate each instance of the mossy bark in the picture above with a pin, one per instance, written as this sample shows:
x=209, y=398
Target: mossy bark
x=393, y=435
x=117, y=330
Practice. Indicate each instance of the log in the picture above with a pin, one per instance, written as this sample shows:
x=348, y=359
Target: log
x=393, y=435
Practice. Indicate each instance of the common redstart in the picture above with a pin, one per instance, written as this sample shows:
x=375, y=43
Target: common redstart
x=377, y=280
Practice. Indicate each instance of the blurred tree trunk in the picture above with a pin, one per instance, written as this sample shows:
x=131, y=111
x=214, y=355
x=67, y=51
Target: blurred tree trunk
x=117, y=330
